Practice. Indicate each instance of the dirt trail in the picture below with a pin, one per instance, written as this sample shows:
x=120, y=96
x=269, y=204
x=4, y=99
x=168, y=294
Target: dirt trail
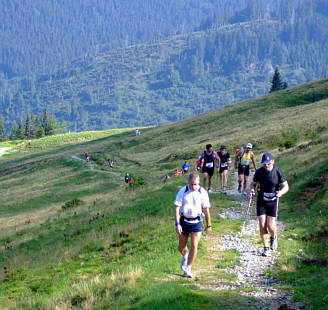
x=92, y=167
x=250, y=273
x=3, y=150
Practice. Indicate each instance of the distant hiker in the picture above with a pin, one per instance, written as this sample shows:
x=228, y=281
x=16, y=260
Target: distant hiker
x=127, y=179
x=243, y=159
x=86, y=156
x=272, y=185
x=224, y=166
x=199, y=163
x=209, y=156
x=111, y=164
x=177, y=172
x=167, y=177
x=138, y=132
x=191, y=206
x=185, y=167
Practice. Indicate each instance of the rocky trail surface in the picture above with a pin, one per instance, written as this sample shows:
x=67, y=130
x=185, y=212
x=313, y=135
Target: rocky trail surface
x=251, y=278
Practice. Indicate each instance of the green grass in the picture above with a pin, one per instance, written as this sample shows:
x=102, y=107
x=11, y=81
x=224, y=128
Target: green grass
x=118, y=249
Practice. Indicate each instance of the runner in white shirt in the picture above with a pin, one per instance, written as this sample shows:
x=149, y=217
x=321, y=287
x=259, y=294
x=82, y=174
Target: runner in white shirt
x=191, y=206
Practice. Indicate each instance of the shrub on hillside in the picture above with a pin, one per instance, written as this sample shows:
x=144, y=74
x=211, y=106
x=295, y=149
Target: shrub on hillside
x=72, y=203
x=137, y=181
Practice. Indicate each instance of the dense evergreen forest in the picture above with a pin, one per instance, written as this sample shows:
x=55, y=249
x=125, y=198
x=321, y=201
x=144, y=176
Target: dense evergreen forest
x=39, y=35
x=230, y=56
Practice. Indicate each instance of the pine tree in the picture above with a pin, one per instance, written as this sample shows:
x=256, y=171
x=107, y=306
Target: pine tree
x=2, y=129
x=38, y=129
x=45, y=123
x=27, y=132
x=21, y=130
x=277, y=83
x=14, y=134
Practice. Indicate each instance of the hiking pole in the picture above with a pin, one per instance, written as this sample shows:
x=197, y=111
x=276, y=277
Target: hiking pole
x=247, y=211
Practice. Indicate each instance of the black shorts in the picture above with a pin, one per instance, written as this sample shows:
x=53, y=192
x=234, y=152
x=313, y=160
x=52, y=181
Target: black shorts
x=210, y=171
x=222, y=169
x=187, y=228
x=243, y=170
x=269, y=208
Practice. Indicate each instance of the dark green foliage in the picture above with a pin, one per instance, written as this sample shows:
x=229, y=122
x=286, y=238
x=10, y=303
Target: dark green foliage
x=2, y=129
x=277, y=83
x=181, y=76
x=137, y=181
x=33, y=129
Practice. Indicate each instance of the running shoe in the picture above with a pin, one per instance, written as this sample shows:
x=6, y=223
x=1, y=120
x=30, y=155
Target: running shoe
x=187, y=273
x=209, y=190
x=184, y=261
x=273, y=243
x=239, y=188
x=265, y=252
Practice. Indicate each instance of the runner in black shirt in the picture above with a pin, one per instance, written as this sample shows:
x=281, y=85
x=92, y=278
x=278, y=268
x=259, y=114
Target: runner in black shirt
x=209, y=157
x=223, y=168
x=270, y=180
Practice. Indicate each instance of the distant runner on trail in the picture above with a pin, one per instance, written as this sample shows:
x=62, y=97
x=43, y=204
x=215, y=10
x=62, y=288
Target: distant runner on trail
x=191, y=205
x=209, y=156
x=86, y=156
x=242, y=161
x=127, y=179
x=224, y=166
x=111, y=164
x=272, y=185
x=185, y=167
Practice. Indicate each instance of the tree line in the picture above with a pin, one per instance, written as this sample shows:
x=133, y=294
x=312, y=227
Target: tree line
x=33, y=128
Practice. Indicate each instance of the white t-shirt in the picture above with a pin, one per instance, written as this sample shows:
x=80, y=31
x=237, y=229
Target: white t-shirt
x=191, y=202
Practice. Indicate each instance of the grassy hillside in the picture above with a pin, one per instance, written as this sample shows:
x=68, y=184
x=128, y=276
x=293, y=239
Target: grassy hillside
x=73, y=237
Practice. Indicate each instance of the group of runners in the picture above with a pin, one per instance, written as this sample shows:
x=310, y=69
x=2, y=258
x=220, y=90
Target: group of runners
x=192, y=201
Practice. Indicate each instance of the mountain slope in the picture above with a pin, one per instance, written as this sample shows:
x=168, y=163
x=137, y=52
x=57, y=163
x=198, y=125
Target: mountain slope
x=175, y=78
x=110, y=247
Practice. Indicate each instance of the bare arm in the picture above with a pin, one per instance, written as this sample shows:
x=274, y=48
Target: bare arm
x=253, y=160
x=208, y=227
x=217, y=158
x=252, y=189
x=178, y=228
x=284, y=189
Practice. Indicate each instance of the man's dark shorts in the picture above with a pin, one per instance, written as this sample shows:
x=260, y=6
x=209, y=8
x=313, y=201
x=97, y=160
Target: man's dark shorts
x=268, y=208
x=222, y=169
x=210, y=171
x=244, y=171
x=187, y=228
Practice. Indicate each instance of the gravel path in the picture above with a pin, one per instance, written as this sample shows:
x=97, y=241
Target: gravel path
x=251, y=278
x=92, y=167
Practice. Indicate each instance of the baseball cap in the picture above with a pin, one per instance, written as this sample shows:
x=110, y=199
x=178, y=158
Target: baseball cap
x=249, y=146
x=222, y=147
x=266, y=158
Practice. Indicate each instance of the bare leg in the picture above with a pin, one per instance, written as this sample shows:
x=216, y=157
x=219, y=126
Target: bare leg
x=195, y=238
x=245, y=182
x=222, y=179
x=210, y=181
x=183, y=240
x=271, y=224
x=205, y=174
x=240, y=179
x=225, y=177
x=264, y=230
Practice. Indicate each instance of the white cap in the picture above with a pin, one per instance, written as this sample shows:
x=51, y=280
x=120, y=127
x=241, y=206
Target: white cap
x=249, y=145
